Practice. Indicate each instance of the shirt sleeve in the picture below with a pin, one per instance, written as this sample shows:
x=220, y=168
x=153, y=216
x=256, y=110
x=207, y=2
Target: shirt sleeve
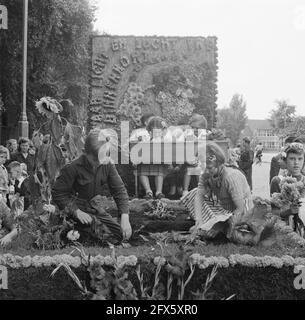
x=236, y=185
x=203, y=181
x=118, y=190
x=62, y=191
x=275, y=185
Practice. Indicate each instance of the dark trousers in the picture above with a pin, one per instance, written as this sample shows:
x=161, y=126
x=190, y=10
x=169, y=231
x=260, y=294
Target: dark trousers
x=102, y=221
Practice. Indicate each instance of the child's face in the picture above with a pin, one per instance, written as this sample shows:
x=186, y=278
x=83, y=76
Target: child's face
x=295, y=163
x=15, y=173
x=3, y=158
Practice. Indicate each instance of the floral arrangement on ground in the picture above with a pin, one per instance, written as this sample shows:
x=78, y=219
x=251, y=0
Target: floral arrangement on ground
x=176, y=271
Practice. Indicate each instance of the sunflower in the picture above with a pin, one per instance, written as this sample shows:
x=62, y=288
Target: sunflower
x=48, y=107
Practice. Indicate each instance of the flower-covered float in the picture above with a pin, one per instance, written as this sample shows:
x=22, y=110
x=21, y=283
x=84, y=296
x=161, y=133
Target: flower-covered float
x=163, y=260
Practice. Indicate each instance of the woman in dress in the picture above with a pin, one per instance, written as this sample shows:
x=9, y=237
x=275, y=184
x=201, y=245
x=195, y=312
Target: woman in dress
x=220, y=184
x=156, y=127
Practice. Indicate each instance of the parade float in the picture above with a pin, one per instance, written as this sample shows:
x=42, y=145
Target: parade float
x=50, y=259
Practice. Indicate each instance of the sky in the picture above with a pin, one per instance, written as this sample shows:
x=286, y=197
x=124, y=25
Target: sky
x=261, y=43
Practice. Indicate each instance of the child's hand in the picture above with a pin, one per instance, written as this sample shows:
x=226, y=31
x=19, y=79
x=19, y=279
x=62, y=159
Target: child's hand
x=5, y=240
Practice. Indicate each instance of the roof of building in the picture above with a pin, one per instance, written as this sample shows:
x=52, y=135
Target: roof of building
x=259, y=124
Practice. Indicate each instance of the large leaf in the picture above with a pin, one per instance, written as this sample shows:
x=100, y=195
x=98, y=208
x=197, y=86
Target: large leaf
x=54, y=162
x=56, y=129
x=73, y=140
x=42, y=154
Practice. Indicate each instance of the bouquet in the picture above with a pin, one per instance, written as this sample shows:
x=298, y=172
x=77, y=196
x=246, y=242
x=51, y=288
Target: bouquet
x=291, y=193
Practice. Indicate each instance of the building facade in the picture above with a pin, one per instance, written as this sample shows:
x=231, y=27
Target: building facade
x=262, y=131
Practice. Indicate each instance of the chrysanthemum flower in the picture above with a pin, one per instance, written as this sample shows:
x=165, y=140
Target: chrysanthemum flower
x=73, y=235
x=48, y=107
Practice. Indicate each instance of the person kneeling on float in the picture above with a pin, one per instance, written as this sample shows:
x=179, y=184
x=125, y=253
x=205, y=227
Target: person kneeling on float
x=79, y=187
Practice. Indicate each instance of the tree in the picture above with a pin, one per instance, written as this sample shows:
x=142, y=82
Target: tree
x=233, y=119
x=58, y=36
x=282, y=116
x=296, y=128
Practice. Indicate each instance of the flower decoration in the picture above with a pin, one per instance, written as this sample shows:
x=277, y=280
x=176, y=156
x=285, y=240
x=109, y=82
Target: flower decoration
x=48, y=107
x=73, y=235
x=49, y=208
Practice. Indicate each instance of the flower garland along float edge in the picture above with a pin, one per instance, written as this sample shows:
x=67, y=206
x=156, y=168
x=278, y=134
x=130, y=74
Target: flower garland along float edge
x=15, y=261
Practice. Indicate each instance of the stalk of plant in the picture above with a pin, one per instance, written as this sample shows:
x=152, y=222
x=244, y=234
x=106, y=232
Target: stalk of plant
x=184, y=284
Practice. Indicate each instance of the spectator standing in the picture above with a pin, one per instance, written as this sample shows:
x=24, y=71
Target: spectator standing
x=23, y=155
x=246, y=160
x=3, y=158
x=12, y=146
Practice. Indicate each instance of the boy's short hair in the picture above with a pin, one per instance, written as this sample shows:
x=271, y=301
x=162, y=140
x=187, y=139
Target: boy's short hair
x=4, y=150
x=21, y=141
x=13, y=164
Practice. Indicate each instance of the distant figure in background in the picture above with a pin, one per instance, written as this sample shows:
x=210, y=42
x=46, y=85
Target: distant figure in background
x=3, y=158
x=32, y=149
x=24, y=156
x=12, y=146
x=246, y=160
x=8, y=230
x=14, y=171
x=259, y=153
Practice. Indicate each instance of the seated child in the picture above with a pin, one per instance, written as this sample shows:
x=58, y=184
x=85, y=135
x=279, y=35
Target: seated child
x=14, y=172
x=18, y=183
x=156, y=127
x=141, y=134
x=197, y=131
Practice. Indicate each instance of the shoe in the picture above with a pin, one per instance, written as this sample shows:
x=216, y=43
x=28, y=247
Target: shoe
x=149, y=195
x=160, y=196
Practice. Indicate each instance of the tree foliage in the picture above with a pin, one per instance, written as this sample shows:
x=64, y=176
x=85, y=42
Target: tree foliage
x=233, y=119
x=282, y=116
x=295, y=128
x=58, y=35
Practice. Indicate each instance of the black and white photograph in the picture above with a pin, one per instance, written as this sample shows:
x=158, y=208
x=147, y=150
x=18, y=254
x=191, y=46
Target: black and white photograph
x=152, y=150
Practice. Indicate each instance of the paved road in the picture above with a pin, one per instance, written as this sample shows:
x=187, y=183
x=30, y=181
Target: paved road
x=260, y=176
